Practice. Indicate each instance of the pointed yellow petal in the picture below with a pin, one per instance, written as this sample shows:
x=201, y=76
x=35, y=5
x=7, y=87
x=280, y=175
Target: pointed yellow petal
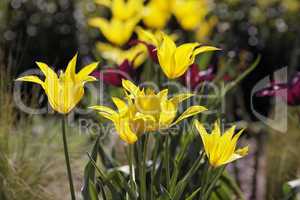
x=203, y=134
x=71, y=68
x=243, y=151
x=226, y=144
x=144, y=117
x=130, y=87
x=163, y=95
x=33, y=79
x=193, y=110
x=103, y=109
x=237, y=136
x=165, y=53
x=184, y=57
x=203, y=49
x=125, y=132
x=146, y=36
x=85, y=72
x=167, y=114
x=106, y=3
x=180, y=98
x=216, y=130
x=48, y=72
x=106, y=112
x=237, y=155
x=98, y=22
x=121, y=105
x=89, y=79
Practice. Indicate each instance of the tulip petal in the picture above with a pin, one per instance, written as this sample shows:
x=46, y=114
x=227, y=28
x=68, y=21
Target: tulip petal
x=33, y=79
x=165, y=53
x=204, y=136
x=193, y=110
x=103, y=109
x=144, y=117
x=86, y=71
x=203, y=49
x=239, y=153
x=106, y=3
x=167, y=114
x=184, y=58
x=71, y=68
x=163, y=95
x=98, y=22
x=180, y=98
x=125, y=132
x=130, y=87
x=47, y=71
x=121, y=105
x=146, y=36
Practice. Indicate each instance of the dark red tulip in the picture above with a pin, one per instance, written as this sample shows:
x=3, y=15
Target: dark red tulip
x=193, y=77
x=292, y=89
x=114, y=76
x=152, y=51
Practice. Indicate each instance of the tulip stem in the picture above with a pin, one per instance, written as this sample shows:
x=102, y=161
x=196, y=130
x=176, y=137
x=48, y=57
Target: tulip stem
x=67, y=158
x=144, y=167
x=131, y=166
x=213, y=182
x=167, y=160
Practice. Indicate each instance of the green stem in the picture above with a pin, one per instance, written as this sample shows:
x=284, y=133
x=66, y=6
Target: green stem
x=213, y=182
x=144, y=167
x=131, y=167
x=153, y=170
x=67, y=159
x=167, y=160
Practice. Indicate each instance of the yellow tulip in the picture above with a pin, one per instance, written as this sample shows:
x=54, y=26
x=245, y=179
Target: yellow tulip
x=136, y=54
x=64, y=92
x=221, y=149
x=115, y=31
x=205, y=29
x=173, y=60
x=145, y=111
x=127, y=125
x=149, y=37
x=157, y=13
x=190, y=12
x=121, y=9
x=160, y=111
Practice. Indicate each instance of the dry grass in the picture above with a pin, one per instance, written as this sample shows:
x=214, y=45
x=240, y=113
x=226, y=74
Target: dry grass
x=31, y=154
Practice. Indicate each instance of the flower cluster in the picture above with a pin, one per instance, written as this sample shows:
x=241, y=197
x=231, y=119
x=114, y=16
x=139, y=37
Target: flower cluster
x=145, y=111
x=122, y=44
x=136, y=34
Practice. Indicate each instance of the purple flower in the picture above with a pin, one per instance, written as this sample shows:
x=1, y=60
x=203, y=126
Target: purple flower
x=114, y=76
x=289, y=92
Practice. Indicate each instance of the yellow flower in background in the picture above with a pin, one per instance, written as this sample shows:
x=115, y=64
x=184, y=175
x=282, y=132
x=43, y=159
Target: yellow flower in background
x=147, y=36
x=205, y=29
x=115, y=31
x=136, y=54
x=64, y=92
x=173, y=60
x=189, y=13
x=291, y=5
x=221, y=148
x=145, y=111
x=122, y=9
x=157, y=13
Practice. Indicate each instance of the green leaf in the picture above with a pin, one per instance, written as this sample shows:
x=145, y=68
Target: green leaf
x=89, y=172
x=193, y=195
x=242, y=76
x=93, y=191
